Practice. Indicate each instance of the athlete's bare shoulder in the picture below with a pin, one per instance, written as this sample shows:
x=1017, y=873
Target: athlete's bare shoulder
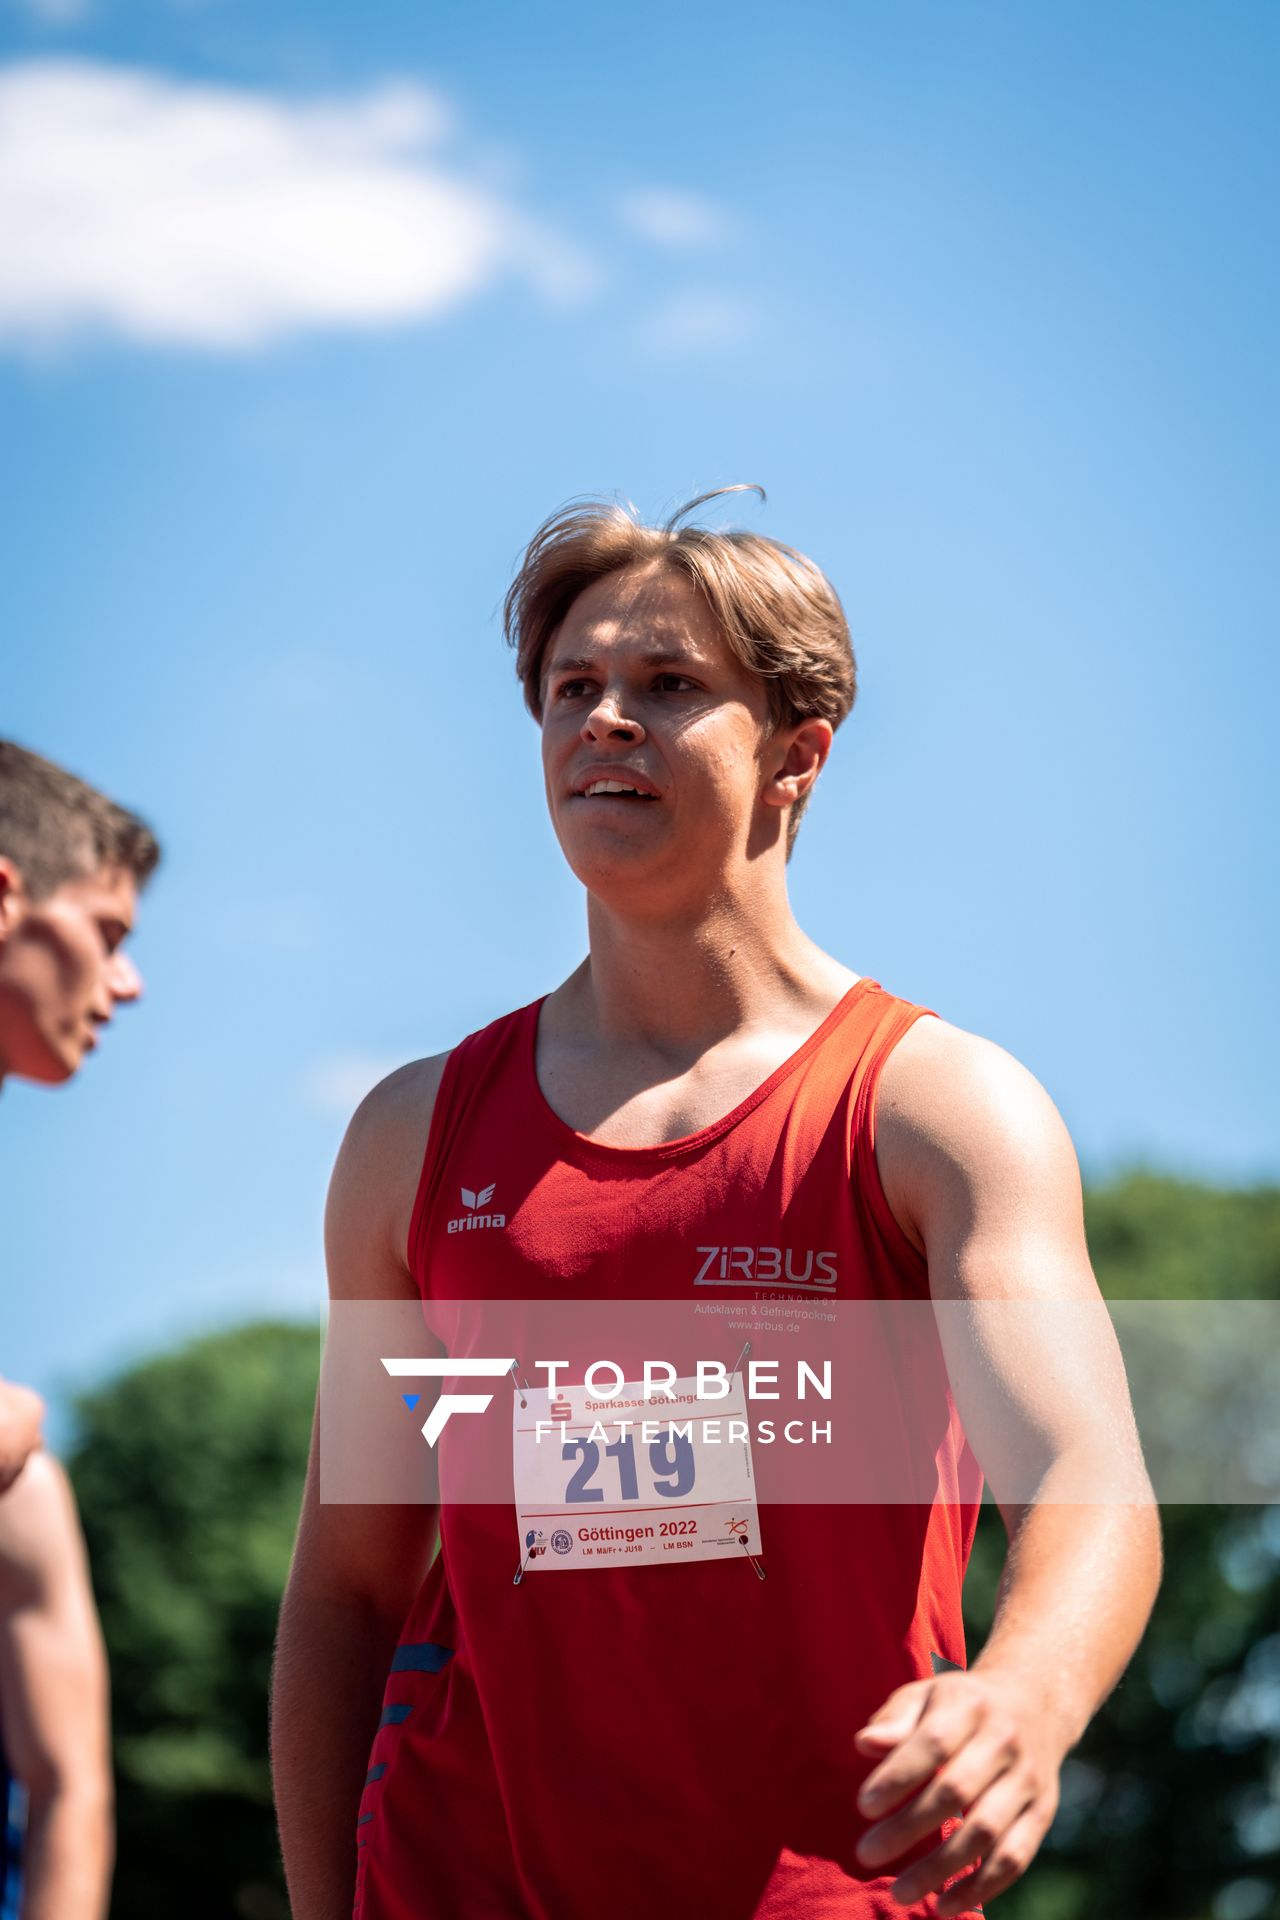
x=402, y=1104
x=375, y=1179
x=963, y=1127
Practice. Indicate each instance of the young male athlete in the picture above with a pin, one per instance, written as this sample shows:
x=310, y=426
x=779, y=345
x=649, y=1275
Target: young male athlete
x=709, y=1097
x=71, y=866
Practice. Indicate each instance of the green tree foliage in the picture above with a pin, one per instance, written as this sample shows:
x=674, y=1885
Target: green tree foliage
x=1153, y=1238
x=189, y=1471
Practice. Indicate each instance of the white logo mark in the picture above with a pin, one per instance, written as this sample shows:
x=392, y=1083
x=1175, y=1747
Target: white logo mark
x=477, y=1215
x=428, y=1368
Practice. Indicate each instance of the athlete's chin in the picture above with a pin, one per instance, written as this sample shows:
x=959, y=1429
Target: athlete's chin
x=605, y=870
x=592, y=852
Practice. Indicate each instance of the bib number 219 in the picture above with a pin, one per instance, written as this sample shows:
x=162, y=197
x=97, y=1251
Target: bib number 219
x=671, y=1468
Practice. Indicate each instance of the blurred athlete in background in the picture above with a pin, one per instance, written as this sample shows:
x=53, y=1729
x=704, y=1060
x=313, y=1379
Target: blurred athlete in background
x=21, y=1413
x=71, y=866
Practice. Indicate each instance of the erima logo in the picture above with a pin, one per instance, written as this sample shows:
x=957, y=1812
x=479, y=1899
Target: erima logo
x=474, y=1217
x=428, y=1368
x=768, y=1266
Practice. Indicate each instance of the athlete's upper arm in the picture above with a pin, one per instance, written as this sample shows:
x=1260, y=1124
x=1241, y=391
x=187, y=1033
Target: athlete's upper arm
x=53, y=1671
x=979, y=1168
x=374, y=1553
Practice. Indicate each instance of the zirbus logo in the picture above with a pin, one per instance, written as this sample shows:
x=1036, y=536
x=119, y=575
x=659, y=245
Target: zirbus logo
x=475, y=1215
x=774, y=1266
x=425, y=1367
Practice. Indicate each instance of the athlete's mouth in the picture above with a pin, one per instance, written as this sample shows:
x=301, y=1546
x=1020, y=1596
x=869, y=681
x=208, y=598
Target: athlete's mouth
x=612, y=780
x=612, y=790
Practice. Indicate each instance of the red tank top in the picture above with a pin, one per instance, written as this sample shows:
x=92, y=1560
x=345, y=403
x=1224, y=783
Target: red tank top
x=657, y=1740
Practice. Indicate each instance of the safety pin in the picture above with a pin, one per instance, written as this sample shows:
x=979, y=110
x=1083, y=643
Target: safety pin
x=760, y=1572
x=529, y=1551
x=521, y=1384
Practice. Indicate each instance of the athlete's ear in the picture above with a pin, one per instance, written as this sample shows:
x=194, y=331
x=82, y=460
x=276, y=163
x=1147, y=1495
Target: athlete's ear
x=794, y=758
x=11, y=896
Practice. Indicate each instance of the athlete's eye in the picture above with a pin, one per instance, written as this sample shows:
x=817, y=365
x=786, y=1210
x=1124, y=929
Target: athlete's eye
x=663, y=683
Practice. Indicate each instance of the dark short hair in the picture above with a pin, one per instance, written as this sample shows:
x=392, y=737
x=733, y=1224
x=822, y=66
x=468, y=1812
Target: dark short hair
x=55, y=827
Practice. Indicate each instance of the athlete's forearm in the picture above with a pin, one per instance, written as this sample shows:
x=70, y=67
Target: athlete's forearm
x=68, y=1853
x=1075, y=1596
x=332, y=1659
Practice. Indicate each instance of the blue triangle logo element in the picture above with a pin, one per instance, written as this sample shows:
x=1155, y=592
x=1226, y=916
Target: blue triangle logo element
x=411, y=1400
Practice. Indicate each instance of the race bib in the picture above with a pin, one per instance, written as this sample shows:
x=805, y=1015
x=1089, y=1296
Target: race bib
x=633, y=1482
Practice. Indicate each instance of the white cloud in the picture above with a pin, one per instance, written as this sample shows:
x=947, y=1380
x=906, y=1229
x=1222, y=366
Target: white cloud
x=671, y=217
x=162, y=210
x=339, y=1083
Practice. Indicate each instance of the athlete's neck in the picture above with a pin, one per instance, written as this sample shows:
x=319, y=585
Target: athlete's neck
x=683, y=987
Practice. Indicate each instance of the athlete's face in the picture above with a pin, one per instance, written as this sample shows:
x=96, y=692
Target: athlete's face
x=640, y=690
x=62, y=970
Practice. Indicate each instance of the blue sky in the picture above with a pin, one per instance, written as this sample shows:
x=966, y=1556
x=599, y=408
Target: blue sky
x=309, y=315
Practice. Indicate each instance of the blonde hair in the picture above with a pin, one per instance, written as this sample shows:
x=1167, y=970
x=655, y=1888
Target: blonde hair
x=779, y=614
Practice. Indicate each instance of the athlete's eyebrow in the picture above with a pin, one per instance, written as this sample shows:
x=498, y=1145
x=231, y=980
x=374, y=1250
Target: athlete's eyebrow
x=585, y=663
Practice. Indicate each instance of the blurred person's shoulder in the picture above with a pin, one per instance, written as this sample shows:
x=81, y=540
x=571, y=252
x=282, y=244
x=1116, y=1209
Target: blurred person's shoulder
x=39, y=1527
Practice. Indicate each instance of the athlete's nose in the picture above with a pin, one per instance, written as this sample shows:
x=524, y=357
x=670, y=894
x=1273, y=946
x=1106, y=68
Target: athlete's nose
x=606, y=721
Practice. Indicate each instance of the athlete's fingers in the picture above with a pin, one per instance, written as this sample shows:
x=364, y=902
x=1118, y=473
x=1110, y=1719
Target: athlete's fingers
x=894, y=1720
x=959, y=1787
x=1007, y=1861
x=944, y=1726
x=988, y=1818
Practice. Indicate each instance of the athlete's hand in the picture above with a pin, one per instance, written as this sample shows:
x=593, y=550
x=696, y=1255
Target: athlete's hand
x=21, y=1412
x=983, y=1745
